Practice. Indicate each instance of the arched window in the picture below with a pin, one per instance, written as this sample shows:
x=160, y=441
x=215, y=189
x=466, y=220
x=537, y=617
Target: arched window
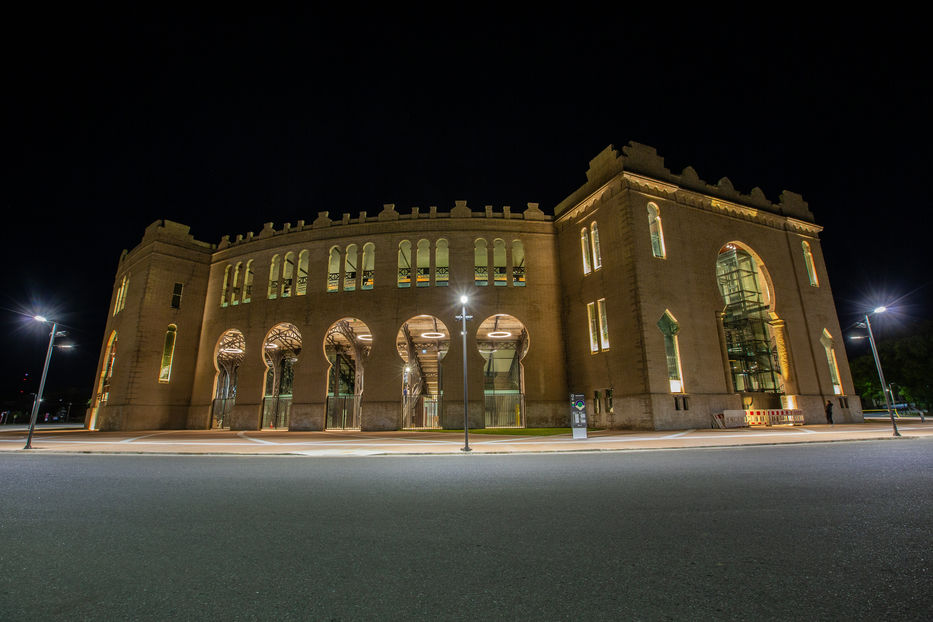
x=424, y=263
x=349, y=268
x=288, y=275
x=829, y=346
x=597, y=256
x=234, y=297
x=657, y=233
x=120, y=301
x=168, y=353
x=333, y=270
x=811, y=268
x=669, y=328
x=746, y=321
x=226, y=287
x=248, y=282
x=404, y=263
x=603, y=324
x=585, y=250
x=273, y=278
x=302, y=286
x=480, y=262
x=369, y=263
x=518, y=264
x=594, y=327
x=441, y=263
x=499, y=263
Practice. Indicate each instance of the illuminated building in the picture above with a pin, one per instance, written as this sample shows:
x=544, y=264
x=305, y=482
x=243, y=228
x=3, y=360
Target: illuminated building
x=663, y=299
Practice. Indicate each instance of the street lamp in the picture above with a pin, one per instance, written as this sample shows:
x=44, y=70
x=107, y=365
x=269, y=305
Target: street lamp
x=463, y=317
x=45, y=371
x=874, y=350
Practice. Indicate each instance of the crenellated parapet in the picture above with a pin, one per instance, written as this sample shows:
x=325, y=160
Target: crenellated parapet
x=389, y=213
x=640, y=166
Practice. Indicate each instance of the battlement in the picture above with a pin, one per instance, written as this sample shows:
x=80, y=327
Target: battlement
x=388, y=214
x=644, y=160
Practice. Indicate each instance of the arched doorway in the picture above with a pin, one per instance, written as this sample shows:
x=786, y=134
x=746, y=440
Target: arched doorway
x=347, y=345
x=422, y=343
x=280, y=351
x=747, y=318
x=503, y=342
x=231, y=348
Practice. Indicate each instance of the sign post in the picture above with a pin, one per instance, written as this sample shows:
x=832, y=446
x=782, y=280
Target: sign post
x=578, y=415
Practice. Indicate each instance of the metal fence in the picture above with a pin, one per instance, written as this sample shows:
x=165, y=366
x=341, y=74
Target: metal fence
x=220, y=408
x=275, y=412
x=505, y=410
x=343, y=412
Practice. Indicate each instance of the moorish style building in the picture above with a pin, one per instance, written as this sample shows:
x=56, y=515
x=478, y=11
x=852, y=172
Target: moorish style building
x=664, y=299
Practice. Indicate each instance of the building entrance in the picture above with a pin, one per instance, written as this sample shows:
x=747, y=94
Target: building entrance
x=280, y=352
x=347, y=345
x=503, y=342
x=231, y=349
x=422, y=342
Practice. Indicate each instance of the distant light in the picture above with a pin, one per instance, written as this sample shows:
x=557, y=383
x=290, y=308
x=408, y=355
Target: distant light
x=432, y=335
x=407, y=369
x=880, y=309
x=66, y=346
x=499, y=334
x=40, y=318
x=464, y=299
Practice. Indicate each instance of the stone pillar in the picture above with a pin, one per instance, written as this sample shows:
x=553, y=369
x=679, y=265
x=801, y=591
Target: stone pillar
x=784, y=359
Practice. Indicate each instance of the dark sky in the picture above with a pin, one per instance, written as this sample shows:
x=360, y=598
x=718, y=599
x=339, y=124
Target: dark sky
x=223, y=123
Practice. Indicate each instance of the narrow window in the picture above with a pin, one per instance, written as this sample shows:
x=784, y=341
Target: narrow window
x=288, y=275
x=830, y=348
x=349, y=268
x=441, y=263
x=594, y=236
x=404, y=263
x=302, y=286
x=594, y=327
x=480, y=263
x=498, y=260
x=369, y=263
x=585, y=249
x=176, y=295
x=811, y=269
x=657, y=233
x=120, y=302
x=669, y=328
x=333, y=270
x=234, y=297
x=248, y=282
x=273, y=278
x=424, y=263
x=168, y=352
x=226, y=287
x=603, y=324
x=518, y=264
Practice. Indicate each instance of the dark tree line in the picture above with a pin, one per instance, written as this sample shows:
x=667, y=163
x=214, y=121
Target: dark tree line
x=907, y=361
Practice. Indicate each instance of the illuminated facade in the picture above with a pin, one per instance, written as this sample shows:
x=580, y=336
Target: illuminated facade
x=663, y=299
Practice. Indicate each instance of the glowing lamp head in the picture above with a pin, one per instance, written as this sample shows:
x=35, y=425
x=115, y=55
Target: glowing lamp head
x=880, y=309
x=464, y=299
x=40, y=318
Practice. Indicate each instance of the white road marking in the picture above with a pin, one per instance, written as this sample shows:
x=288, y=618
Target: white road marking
x=255, y=440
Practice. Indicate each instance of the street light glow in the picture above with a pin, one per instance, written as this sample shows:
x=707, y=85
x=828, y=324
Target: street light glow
x=40, y=318
x=880, y=309
x=464, y=299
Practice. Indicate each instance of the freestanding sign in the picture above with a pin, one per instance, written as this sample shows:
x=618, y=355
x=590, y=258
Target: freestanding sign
x=578, y=415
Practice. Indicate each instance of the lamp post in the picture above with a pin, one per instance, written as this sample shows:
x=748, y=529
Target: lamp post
x=463, y=317
x=45, y=371
x=874, y=350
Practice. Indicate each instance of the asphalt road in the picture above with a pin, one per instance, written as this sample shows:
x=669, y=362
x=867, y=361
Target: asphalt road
x=822, y=531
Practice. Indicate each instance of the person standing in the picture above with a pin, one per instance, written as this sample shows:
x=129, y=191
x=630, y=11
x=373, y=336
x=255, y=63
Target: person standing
x=829, y=412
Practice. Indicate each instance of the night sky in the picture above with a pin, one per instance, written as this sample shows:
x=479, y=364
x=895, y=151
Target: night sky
x=226, y=122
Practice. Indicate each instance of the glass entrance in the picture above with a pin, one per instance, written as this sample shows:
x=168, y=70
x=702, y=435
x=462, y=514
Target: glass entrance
x=503, y=342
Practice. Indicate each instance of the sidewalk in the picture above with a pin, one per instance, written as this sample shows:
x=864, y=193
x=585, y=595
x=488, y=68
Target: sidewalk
x=406, y=442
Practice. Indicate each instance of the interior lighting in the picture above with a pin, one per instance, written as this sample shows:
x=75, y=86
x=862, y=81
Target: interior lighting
x=271, y=346
x=432, y=335
x=499, y=334
x=364, y=337
x=234, y=350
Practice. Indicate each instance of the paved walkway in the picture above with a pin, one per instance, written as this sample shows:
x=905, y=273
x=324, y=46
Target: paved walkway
x=351, y=443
